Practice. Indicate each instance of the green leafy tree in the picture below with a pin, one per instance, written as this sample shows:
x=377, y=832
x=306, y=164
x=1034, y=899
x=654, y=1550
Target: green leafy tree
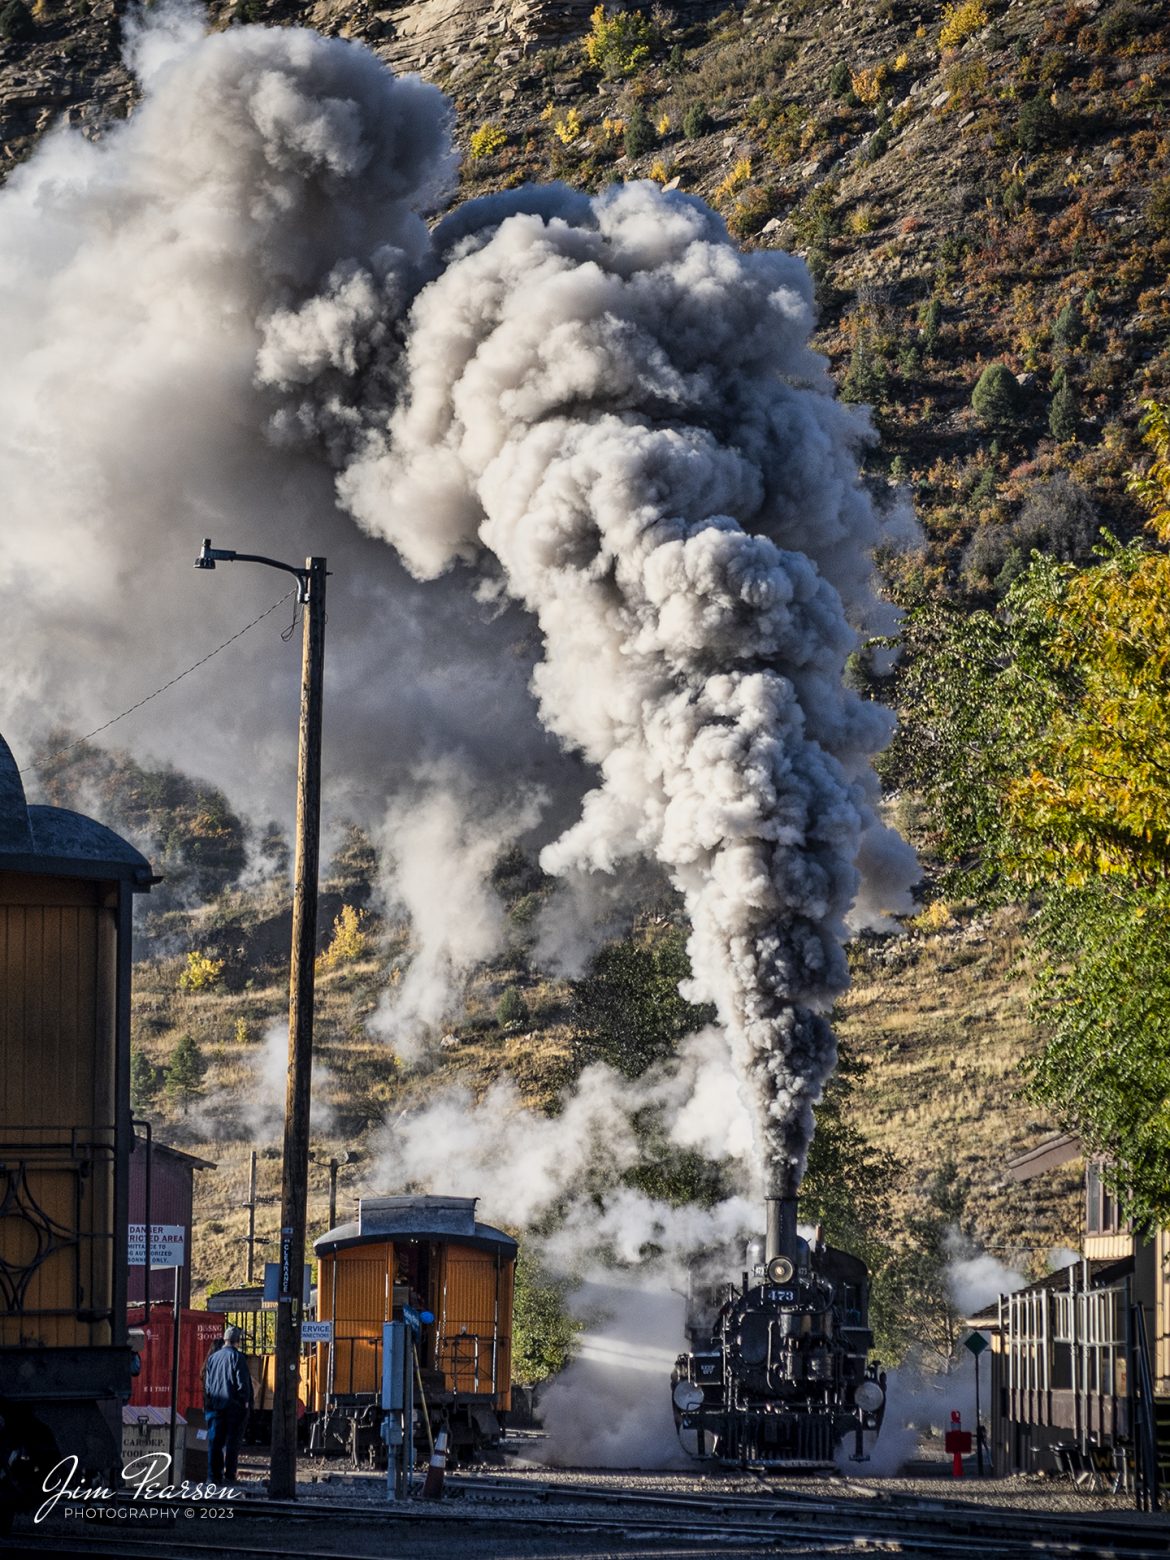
x=618, y=45
x=16, y=22
x=629, y=1010
x=996, y=397
x=912, y=1302
x=544, y=1330
x=1051, y=741
x=511, y=1009
x=185, y=1074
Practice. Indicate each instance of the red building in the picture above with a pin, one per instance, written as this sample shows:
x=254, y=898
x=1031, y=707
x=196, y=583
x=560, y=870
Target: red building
x=172, y=1196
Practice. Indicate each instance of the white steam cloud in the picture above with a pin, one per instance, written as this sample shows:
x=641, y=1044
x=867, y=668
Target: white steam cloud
x=975, y=1278
x=440, y=842
x=592, y=425
x=600, y=397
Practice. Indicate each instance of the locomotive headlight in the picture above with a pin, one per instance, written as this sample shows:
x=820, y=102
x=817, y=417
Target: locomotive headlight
x=869, y=1397
x=687, y=1397
x=780, y=1270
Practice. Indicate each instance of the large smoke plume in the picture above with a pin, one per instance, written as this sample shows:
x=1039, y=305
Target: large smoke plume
x=591, y=417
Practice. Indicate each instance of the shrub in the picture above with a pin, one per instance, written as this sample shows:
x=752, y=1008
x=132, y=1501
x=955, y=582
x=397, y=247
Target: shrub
x=568, y=128
x=1057, y=517
x=1123, y=23
x=618, y=45
x=996, y=397
x=658, y=171
x=1037, y=124
x=16, y=22
x=662, y=124
x=639, y=136
x=816, y=219
x=349, y=941
x=201, y=974
x=862, y=219
x=937, y=917
x=1158, y=209
x=511, y=1009
x=756, y=206
x=878, y=144
x=869, y=82
x=696, y=121
x=840, y=81
x=961, y=21
x=487, y=140
x=740, y=175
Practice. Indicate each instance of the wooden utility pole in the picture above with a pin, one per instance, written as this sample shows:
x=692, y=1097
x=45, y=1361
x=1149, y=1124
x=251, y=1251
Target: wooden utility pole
x=252, y=1218
x=282, y=1478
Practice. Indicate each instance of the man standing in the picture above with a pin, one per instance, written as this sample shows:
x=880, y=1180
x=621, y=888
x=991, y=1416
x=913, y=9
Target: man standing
x=227, y=1402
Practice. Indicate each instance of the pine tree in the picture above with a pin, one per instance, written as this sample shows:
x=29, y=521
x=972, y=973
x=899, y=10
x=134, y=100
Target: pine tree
x=996, y=397
x=1062, y=413
x=143, y=1080
x=185, y=1074
x=639, y=136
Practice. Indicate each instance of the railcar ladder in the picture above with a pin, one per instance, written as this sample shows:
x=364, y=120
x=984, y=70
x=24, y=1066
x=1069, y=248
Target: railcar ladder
x=1146, y=1417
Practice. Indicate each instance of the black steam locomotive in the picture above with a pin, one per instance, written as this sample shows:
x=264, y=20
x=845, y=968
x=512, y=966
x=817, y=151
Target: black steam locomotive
x=781, y=1376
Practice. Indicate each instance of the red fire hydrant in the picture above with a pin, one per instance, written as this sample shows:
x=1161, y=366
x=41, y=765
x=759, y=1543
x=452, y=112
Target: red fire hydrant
x=958, y=1443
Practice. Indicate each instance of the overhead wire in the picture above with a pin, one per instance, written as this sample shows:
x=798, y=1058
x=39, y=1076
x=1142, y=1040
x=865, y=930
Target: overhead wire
x=203, y=660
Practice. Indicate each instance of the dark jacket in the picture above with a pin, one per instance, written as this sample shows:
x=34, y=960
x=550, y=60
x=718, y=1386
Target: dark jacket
x=226, y=1382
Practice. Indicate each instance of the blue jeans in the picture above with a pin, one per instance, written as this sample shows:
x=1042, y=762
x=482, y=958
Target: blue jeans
x=225, y=1431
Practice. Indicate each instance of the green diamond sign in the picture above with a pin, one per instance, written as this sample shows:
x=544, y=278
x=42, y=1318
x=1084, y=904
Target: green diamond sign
x=977, y=1342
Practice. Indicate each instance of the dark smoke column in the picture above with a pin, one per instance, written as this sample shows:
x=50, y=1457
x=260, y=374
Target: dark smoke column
x=618, y=415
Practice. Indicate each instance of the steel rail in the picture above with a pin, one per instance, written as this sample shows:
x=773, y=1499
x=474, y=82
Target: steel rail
x=1123, y=1528
x=853, y=1528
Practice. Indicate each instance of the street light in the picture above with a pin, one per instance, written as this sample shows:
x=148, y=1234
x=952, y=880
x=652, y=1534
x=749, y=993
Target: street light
x=282, y=1480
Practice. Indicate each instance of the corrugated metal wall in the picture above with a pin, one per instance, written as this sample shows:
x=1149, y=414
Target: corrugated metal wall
x=58, y=978
x=353, y=1291
x=472, y=1318
x=172, y=1194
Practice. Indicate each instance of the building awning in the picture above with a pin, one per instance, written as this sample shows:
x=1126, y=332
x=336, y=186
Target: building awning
x=1053, y=1151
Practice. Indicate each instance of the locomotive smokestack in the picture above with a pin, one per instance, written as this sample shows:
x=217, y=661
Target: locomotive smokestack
x=781, y=1228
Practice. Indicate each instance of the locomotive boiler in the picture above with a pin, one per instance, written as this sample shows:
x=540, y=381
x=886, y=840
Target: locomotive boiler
x=778, y=1374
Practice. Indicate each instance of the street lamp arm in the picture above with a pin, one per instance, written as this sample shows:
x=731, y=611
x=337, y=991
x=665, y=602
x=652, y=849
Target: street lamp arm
x=210, y=556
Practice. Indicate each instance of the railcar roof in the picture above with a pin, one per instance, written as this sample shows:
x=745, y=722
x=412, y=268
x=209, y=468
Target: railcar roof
x=52, y=841
x=416, y=1218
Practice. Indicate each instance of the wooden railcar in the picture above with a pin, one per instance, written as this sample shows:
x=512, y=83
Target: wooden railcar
x=426, y=1255
x=66, y=886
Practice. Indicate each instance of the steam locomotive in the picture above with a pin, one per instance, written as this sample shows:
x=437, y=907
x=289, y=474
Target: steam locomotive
x=781, y=1376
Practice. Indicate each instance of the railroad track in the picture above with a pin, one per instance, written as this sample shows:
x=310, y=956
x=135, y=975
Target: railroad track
x=874, y=1513
x=693, y=1523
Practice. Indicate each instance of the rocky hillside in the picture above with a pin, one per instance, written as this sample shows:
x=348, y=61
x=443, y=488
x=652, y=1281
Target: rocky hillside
x=972, y=184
